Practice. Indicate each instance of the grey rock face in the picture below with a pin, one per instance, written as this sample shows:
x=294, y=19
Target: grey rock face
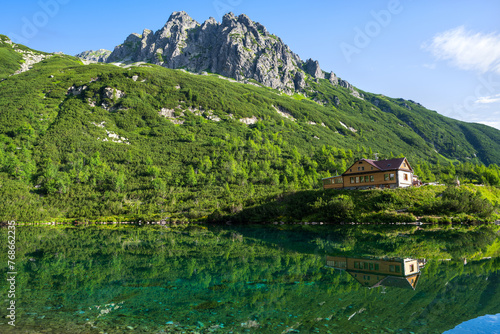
x=312, y=68
x=76, y=90
x=299, y=81
x=345, y=84
x=113, y=93
x=237, y=48
x=99, y=56
x=333, y=79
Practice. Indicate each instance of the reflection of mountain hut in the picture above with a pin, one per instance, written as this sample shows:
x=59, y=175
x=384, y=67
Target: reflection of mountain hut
x=371, y=273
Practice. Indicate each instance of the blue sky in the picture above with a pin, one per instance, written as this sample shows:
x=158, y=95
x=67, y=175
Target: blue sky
x=443, y=54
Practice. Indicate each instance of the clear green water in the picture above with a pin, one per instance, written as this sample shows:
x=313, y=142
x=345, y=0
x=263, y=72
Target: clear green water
x=244, y=279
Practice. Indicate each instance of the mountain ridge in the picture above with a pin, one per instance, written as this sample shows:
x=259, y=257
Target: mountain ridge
x=237, y=47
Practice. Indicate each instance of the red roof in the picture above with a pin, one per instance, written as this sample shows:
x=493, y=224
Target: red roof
x=390, y=164
x=384, y=165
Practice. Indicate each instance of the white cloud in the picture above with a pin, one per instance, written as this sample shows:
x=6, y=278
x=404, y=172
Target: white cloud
x=493, y=124
x=430, y=66
x=467, y=50
x=488, y=99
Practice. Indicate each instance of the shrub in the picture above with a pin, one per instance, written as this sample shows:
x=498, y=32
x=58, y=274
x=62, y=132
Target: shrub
x=340, y=208
x=462, y=200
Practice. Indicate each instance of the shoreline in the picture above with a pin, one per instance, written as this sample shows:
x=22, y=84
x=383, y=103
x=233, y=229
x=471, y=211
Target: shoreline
x=229, y=223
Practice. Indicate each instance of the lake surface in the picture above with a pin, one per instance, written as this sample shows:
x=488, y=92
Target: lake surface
x=255, y=279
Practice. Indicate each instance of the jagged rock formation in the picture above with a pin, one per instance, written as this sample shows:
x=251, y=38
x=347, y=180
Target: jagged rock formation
x=312, y=68
x=333, y=79
x=237, y=47
x=30, y=58
x=99, y=56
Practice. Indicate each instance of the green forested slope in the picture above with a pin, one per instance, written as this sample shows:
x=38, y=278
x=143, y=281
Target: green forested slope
x=88, y=141
x=8, y=58
x=451, y=138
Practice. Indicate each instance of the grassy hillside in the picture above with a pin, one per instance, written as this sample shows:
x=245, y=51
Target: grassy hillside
x=9, y=59
x=106, y=142
x=431, y=204
x=451, y=138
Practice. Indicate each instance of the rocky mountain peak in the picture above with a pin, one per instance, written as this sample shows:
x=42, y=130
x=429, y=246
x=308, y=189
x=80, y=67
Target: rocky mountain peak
x=181, y=17
x=99, y=56
x=211, y=21
x=312, y=68
x=237, y=47
x=228, y=17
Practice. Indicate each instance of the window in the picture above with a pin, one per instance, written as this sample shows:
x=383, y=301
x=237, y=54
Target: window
x=371, y=266
x=350, y=170
x=386, y=177
x=365, y=265
x=357, y=179
x=338, y=180
x=398, y=269
x=372, y=178
x=377, y=266
x=412, y=267
x=359, y=168
x=391, y=177
x=363, y=168
x=392, y=269
x=357, y=265
x=372, y=168
x=352, y=179
x=406, y=177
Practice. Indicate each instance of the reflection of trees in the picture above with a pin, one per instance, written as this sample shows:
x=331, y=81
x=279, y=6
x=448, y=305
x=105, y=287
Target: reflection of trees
x=270, y=272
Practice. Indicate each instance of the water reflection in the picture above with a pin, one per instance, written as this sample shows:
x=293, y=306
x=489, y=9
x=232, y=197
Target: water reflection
x=251, y=279
x=488, y=324
x=401, y=273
